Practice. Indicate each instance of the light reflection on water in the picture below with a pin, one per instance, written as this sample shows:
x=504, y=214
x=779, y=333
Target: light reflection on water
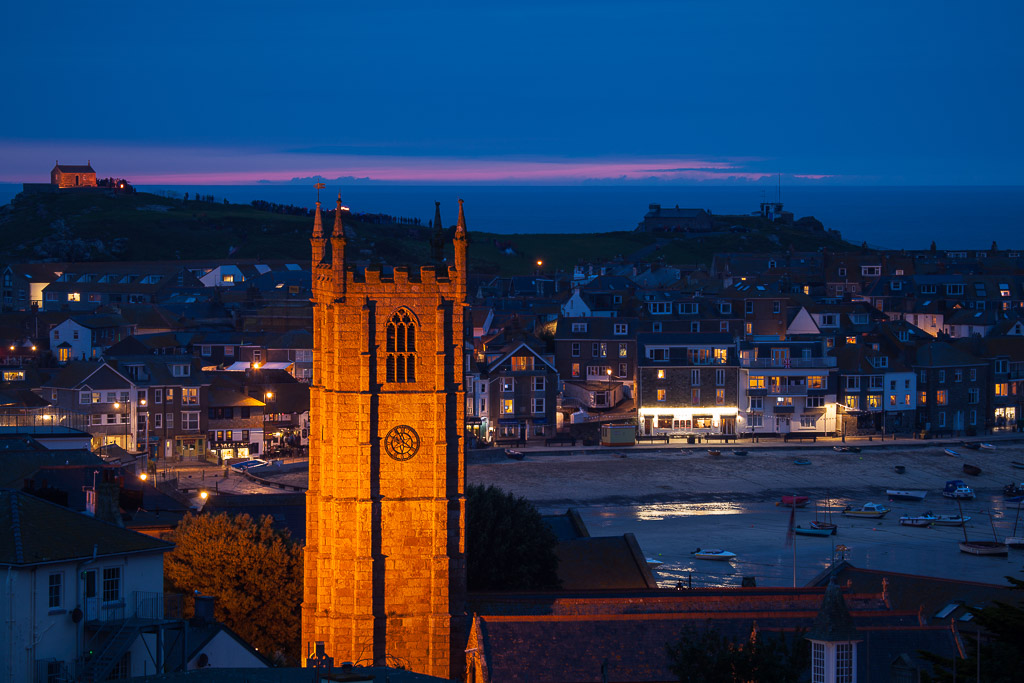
x=662, y=511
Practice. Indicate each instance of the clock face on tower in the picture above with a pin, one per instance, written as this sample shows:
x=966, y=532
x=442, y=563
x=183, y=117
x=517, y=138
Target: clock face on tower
x=402, y=442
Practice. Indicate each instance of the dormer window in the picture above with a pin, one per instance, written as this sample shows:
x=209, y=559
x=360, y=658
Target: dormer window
x=579, y=327
x=870, y=271
x=621, y=328
x=181, y=370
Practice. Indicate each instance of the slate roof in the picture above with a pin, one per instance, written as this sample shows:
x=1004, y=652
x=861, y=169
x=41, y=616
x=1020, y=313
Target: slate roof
x=943, y=354
x=34, y=531
x=67, y=168
x=18, y=465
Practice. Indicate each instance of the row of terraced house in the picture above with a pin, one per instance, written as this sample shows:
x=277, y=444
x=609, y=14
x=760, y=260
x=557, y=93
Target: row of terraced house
x=818, y=344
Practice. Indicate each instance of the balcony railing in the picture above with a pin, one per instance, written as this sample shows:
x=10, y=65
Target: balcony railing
x=787, y=364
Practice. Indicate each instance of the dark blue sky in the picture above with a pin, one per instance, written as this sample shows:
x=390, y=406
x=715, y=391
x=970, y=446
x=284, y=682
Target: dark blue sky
x=547, y=92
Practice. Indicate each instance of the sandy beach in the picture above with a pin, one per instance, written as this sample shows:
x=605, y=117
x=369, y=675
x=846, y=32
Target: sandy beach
x=676, y=500
x=646, y=475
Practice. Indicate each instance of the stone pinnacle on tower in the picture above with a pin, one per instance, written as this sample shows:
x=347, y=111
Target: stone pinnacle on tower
x=460, y=250
x=317, y=240
x=437, y=239
x=338, y=246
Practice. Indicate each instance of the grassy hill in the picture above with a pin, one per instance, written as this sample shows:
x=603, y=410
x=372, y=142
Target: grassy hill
x=92, y=226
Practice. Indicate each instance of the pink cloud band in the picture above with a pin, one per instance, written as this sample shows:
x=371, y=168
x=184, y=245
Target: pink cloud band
x=152, y=165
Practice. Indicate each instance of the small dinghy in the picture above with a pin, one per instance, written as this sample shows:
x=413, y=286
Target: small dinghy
x=713, y=554
x=990, y=548
x=715, y=453
x=899, y=469
x=950, y=452
x=972, y=470
x=513, y=455
x=801, y=461
x=1018, y=465
x=739, y=453
x=794, y=501
x=987, y=446
x=846, y=449
x=973, y=445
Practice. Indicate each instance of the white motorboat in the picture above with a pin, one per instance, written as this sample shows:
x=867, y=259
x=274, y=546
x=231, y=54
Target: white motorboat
x=950, y=520
x=868, y=510
x=987, y=446
x=927, y=519
x=957, y=489
x=713, y=554
x=899, y=494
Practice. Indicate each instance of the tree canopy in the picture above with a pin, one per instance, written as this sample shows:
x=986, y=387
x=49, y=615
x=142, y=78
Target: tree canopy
x=253, y=570
x=1002, y=651
x=508, y=545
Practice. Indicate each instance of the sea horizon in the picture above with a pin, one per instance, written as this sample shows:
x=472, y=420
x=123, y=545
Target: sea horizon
x=895, y=217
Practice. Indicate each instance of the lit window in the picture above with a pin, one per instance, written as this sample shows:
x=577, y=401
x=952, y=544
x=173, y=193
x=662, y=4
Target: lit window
x=661, y=374
x=661, y=394
x=507, y=406
x=940, y=397
x=74, y=296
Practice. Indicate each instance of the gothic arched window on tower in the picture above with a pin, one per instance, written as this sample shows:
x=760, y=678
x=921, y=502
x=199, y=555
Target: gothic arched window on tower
x=400, y=346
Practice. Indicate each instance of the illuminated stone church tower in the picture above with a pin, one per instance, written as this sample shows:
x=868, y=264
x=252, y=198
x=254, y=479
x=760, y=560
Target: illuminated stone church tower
x=385, y=571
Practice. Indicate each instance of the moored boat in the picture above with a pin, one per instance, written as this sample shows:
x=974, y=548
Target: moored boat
x=801, y=461
x=899, y=494
x=827, y=526
x=987, y=446
x=955, y=488
x=713, y=554
x=927, y=519
x=950, y=520
x=812, y=531
x=972, y=470
x=1013, y=490
x=1018, y=465
x=991, y=548
x=846, y=449
x=1014, y=541
x=951, y=452
x=868, y=510
x=714, y=453
x=973, y=445
x=899, y=469
x=794, y=501
x=513, y=454
x=740, y=453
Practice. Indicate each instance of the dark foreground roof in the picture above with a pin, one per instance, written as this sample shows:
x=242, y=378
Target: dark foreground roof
x=34, y=531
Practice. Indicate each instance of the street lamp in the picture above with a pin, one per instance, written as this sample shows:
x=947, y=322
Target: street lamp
x=267, y=398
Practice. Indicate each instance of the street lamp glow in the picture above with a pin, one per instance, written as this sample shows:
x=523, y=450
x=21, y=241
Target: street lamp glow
x=117, y=406
x=204, y=495
x=143, y=476
x=539, y=263
x=269, y=395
